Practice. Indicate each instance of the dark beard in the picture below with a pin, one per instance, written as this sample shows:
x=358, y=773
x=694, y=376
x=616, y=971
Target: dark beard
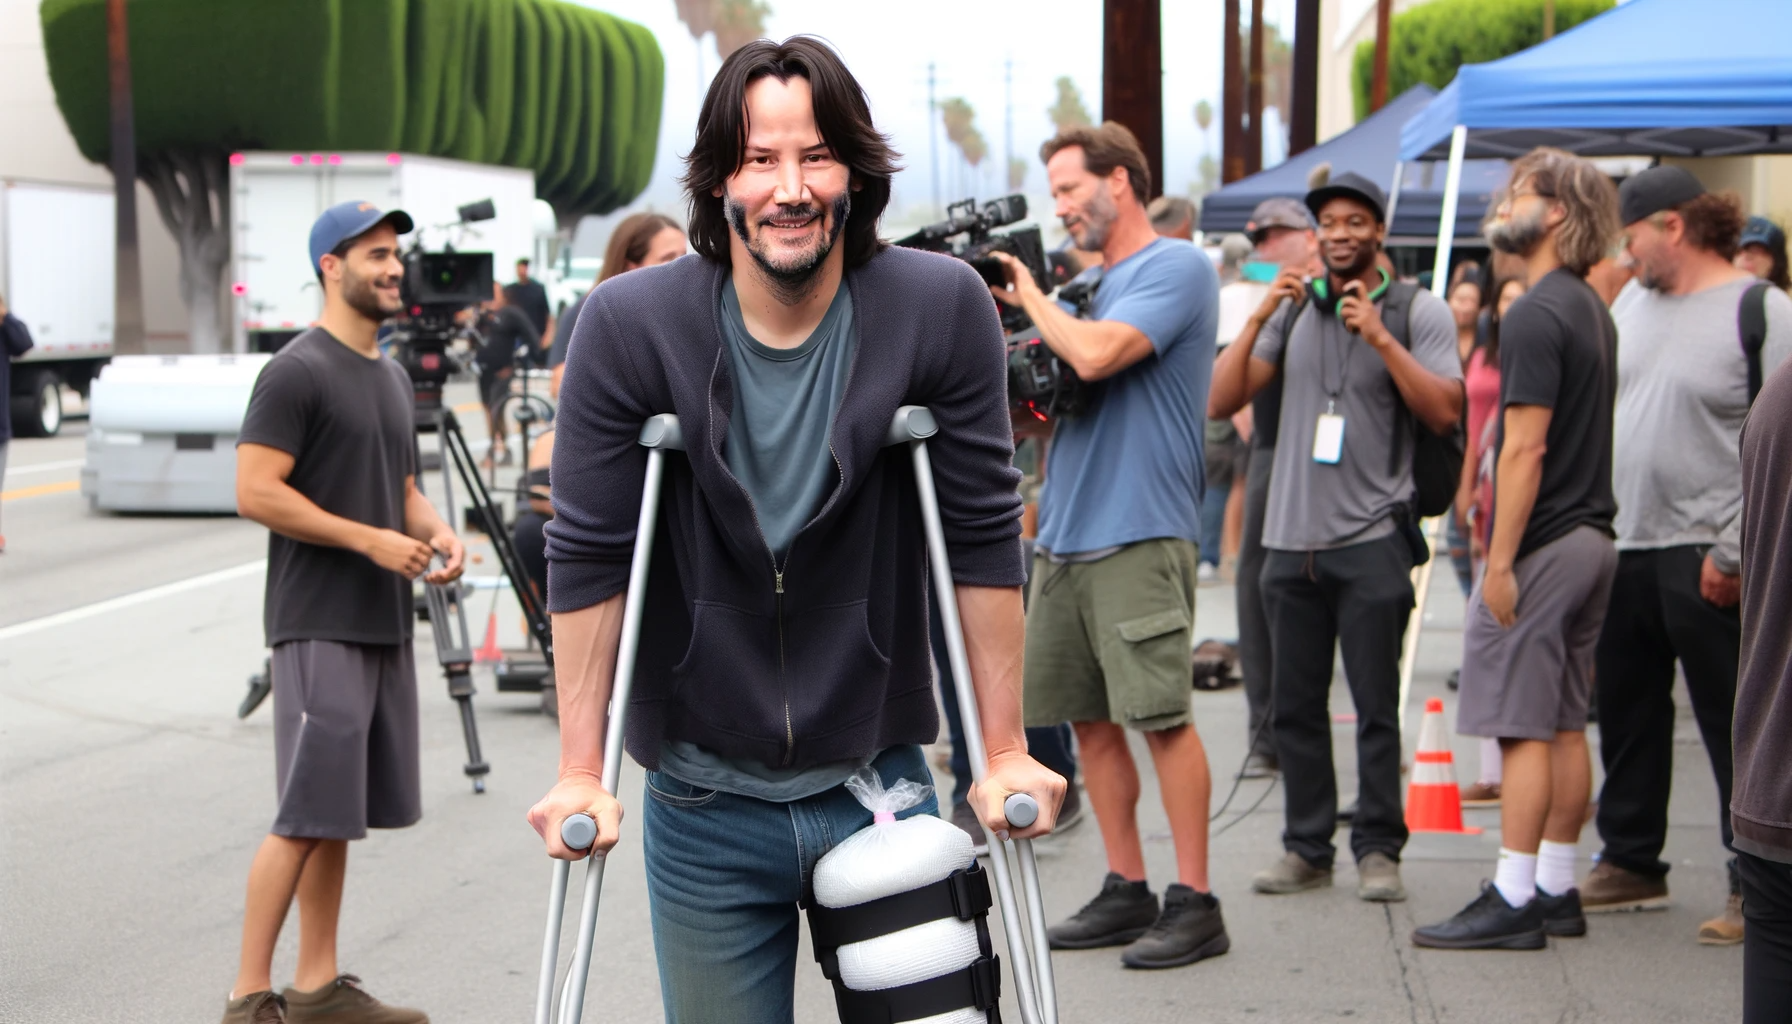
x=358, y=292
x=1518, y=237
x=1098, y=223
x=791, y=283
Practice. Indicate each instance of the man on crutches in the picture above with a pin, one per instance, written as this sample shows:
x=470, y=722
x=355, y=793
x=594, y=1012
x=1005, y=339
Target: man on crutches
x=783, y=644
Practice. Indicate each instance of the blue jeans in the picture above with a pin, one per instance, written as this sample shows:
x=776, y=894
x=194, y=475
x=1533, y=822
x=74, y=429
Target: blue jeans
x=724, y=876
x=1213, y=522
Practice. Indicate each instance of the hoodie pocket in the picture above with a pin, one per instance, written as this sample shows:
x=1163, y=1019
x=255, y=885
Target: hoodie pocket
x=728, y=678
x=835, y=674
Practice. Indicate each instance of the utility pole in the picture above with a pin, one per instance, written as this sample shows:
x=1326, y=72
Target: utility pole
x=1549, y=19
x=1007, y=119
x=1232, y=143
x=1253, y=94
x=1378, y=84
x=127, y=302
x=1132, y=76
x=933, y=144
x=1303, y=106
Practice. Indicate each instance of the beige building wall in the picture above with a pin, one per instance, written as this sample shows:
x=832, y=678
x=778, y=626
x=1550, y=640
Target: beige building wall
x=1342, y=25
x=1763, y=182
x=37, y=147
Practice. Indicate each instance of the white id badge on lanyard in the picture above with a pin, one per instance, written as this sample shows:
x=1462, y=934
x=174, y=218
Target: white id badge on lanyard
x=1328, y=437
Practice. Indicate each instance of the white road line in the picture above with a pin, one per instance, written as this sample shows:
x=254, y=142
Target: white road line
x=112, y=604
x=43, y=467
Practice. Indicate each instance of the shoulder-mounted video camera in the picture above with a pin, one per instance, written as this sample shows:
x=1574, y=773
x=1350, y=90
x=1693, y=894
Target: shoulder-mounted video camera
x=1040, y=384
x=436, y=287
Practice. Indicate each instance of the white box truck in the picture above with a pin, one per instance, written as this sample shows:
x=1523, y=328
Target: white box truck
x=276, y=196
x=56, y=272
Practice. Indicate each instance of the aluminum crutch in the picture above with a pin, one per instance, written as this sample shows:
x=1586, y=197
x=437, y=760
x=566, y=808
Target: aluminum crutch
x=659, y=435
x=1034, y=988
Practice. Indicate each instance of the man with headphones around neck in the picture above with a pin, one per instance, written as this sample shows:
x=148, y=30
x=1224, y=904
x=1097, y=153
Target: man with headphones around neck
x=1364, y=361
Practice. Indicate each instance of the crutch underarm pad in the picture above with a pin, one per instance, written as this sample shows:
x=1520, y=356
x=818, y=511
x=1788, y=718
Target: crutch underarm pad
x=962, y=894
x=978, y=986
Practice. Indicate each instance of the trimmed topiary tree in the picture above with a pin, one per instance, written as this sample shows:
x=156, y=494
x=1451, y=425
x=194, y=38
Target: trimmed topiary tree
x=570, y=93
x=1428, y=43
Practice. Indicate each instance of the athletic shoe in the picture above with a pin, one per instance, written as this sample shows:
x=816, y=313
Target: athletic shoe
x=1121, y=913
x=1189, y=929
x=1610, y=889
x=1206, y=573
x=1347, y=812
x=1453, y=681
x=1481, y=794
x=1293, y=873
x=1487, y=923
x=1259, y=766
x=1378, y=879
x=966, y=819
x=255, y=1008
x=1726, y=928
x=1562, y=914
x=344, y=1001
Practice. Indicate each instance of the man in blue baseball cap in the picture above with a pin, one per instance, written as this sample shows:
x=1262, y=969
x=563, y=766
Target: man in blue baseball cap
x=326, y=460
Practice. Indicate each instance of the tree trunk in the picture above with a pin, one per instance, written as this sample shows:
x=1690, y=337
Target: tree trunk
x=1378, y=81
x=192, y=190
x=1253, y=94
x=1303, y=127
x=1132, y=79
x=127, y=294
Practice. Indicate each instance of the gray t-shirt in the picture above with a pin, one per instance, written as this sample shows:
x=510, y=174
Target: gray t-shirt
x=1682, y=397
x=1316, y=506
x=777, y=446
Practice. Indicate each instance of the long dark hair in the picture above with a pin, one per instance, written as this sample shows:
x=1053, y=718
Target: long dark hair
x=629, y=242
x=841, y=114
x=1492, y=344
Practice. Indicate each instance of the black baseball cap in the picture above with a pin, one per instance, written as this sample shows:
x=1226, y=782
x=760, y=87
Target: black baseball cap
x=1654, y=190
x=1353, y=186
x=351, y=220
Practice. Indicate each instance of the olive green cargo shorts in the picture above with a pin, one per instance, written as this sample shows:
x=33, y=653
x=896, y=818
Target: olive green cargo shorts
x=1109, y=641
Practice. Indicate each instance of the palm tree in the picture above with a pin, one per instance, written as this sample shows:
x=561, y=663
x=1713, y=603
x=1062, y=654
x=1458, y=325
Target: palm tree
x=1068, y=111
x=734, y=22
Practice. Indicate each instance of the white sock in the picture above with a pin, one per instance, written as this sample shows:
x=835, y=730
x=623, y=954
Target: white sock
x=1516, y=876
x=1555, y=867
x=1490, y=761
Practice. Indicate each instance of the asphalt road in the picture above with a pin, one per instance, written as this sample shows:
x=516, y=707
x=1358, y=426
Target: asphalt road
x=131, y=800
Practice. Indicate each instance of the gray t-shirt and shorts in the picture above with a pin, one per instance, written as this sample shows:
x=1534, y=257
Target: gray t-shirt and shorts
x=345, y=688
x=1558, y=350
x=777, y=447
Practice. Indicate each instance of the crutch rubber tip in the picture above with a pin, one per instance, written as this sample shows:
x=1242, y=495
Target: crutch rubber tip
x=1021, y=810
x=578, y=832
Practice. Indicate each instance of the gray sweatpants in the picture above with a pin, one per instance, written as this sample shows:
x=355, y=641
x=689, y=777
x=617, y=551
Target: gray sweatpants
x=345, y=738
x=1254, y=653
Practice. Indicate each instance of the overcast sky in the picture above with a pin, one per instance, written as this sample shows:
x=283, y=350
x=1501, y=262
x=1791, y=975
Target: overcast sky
x=969, y=42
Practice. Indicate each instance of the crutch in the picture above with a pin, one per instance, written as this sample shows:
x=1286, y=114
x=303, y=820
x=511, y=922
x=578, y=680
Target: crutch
x=1034, y=988
x=659, y=435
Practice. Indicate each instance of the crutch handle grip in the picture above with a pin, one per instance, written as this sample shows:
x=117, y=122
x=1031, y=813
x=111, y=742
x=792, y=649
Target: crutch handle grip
x=578, y=832
x=1021, y=810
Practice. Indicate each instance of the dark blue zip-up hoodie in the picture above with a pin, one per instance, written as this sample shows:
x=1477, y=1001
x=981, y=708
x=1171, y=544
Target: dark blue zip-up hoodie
x=824, y=657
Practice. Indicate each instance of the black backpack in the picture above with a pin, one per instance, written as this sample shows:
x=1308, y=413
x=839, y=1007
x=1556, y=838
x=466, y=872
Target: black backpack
x=1751, y=323
x=1436, y=458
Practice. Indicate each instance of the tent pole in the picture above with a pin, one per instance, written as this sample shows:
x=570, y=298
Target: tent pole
x=1394, y=193
x=1446, y=224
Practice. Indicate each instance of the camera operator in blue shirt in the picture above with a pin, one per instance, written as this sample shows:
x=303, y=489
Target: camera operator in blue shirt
x=1113, y=601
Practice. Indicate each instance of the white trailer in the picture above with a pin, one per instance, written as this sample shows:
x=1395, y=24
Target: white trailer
x=276, y=196
x=56, y=272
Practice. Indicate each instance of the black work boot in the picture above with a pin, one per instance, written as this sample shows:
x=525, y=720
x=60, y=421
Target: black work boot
x=1562, y=914
x=1487, y=923
x=1189, y=929
x=1120, y=913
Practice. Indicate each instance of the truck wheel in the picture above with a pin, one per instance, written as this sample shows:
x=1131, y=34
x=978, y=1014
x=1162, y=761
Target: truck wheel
x=37, y=409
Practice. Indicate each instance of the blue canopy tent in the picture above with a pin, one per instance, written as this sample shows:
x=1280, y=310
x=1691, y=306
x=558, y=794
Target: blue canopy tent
x=1650, y=78
x=1370, y=149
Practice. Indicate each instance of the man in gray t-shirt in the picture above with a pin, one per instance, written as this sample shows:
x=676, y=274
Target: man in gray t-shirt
x=1364, y=363
x=1684, y=390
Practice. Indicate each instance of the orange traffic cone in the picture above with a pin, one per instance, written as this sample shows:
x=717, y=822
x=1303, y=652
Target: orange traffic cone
x=1433, y=803
x=488, y=652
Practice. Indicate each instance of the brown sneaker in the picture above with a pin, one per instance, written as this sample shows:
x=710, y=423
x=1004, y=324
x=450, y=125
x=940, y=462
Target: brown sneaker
x=1726, y=928
x=1481, y=794
x=255, y=1008
x=344, y=1001
x=1610, y=888
x=1293, y=873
